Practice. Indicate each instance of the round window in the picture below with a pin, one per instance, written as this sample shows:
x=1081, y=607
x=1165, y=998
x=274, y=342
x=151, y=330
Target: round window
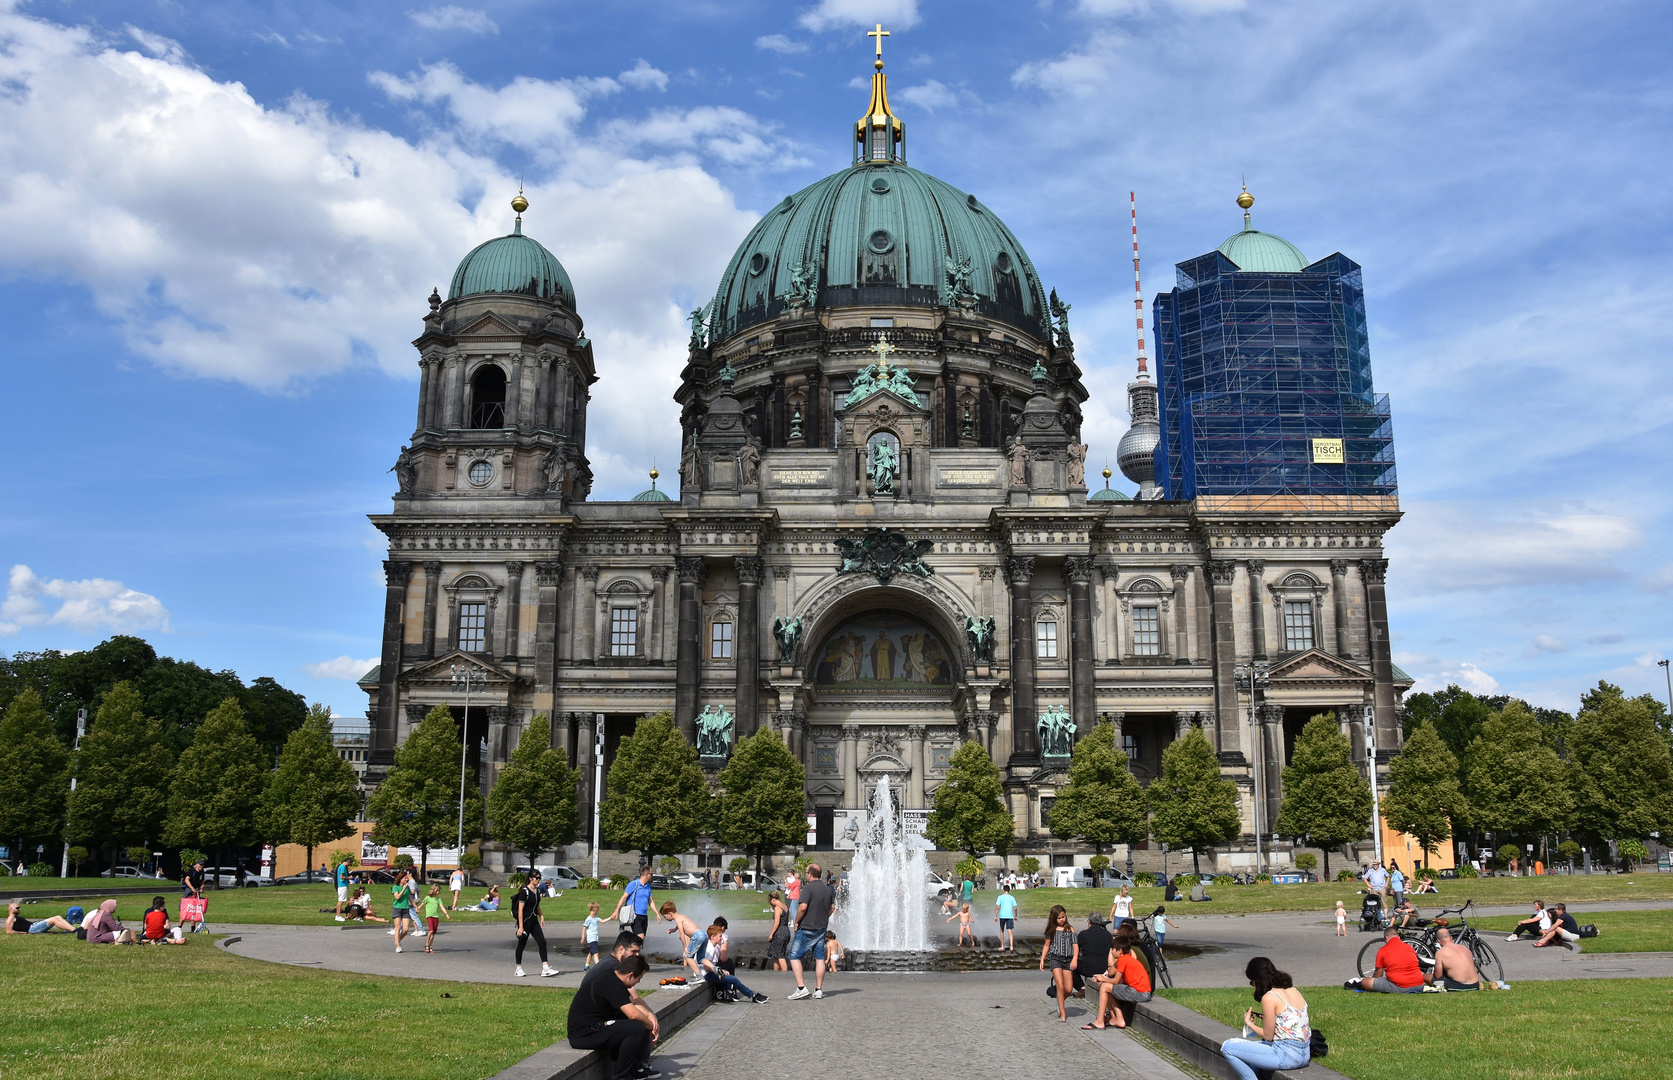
x=880, y=185
x=1003, y=262
x=757, y=263
x=480, y=473
x=970, y=201
x=881, y=241
x=787, y=205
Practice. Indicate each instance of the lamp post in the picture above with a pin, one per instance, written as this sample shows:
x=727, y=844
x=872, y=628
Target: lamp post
x=81, y=729
x=598, y=780
x=1371, y=764
x=1667, y=671
x=470, y=678
x=1254, y=677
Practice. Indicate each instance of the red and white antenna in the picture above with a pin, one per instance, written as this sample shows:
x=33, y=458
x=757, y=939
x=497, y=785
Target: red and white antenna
x=1138, y=291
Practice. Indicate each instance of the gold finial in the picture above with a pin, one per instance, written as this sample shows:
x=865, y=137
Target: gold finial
x=1245, y=200
x=879, y=34
x=882, y=349
x=518, y=205
x=654, y=475
x=1107, y=474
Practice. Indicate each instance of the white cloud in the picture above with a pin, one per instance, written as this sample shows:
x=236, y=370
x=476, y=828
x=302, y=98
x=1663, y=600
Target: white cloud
x=161, y=47
x=1544, y=643
x=780, y=44
x=930, y=96
x=89, y=605
x=1464, y=674
x=1140, y=7
x=344, y=667
x=642, y=76
x=1441, y=547
x=529, y=113
x=454, y=18
x=836, y=14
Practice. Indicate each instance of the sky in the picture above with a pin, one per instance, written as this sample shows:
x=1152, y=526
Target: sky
x=219, y=222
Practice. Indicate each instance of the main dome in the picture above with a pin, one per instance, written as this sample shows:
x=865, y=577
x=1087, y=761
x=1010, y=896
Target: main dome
x=513, y=263
x=879, y=235
x=1253, y=250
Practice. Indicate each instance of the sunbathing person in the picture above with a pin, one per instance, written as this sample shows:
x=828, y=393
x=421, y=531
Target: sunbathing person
x=17, y=924
x=1454, y=966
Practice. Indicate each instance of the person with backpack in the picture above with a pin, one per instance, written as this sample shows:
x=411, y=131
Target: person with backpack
x=530, y=923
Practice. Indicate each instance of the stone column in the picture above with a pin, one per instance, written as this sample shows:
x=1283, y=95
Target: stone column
x=1082, y=699
x=1025, y=743
x=513, y=610
x=750, y=571
x=513, y=417
x=1339, y=604
x=1271, y=735
x=659, y=586
x=586, y=613
x=432, y=587
x=1181, y=637
x=454, y=407
x=915, y=761
x=1257, y=608
x=690, y=569
x=381, y=752
x=1351, y=720
x=426, y=368
x=1119, y=719
x=850, y=767
x=1373, y=572
x=547, y=577
x=1112, y=612
x=1222, y=572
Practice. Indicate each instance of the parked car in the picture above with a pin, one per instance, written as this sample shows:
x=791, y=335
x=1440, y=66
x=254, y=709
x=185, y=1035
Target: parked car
x=746, y=880
x=1072, y=877
x=442, y=877
x=687, y=879
x=129, y=872
x=937, y=887
x=561, y=876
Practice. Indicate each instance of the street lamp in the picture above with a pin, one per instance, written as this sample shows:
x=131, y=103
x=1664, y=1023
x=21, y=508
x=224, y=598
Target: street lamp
x=1371, y=764
x=470, y=678
x=1665, y=670
x=81, y=729
x=1254, y=678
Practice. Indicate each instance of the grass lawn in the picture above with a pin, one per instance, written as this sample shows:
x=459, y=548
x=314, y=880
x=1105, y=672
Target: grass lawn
x=13, y=885
x=1608, y=1029
x=299, y=905
x=1618, y=931
x=83, y=1012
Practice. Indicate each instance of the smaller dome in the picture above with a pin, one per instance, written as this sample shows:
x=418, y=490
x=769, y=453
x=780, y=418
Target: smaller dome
x=516, y=264
x=653, y=495
x=1256, y=251
x=1108, y=494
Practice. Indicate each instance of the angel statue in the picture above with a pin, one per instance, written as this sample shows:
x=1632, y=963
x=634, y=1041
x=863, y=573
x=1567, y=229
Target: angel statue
x=980, y=632
x=788, y=633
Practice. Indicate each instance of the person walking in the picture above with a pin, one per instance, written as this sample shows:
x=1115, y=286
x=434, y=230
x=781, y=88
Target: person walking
x=191, y=888
x=1005, y=914
x=967, y=891
x=1281, y=1037
x=1121, y=909
x=637, y=896
x=589, y=934
x=530, y=923
x=1397, y=885
x=435, y=909
x=792, y=894
x=1341, y=920
x=456, y=885
x=1159, y=923
x=778, y=935
x=812, y=921
x=1061, y=951
x=402, y=898
x=342, y=889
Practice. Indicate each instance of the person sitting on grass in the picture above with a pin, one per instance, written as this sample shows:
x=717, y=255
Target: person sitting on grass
x=1198, y=894
x=1454, y=966
x=104, y=929
x=1427, y=885
x=359, y=908
x=491, y=902
x=1125, y=980
x=156, y=927
x=1397, y=970
x=1281, y=1037
x=17, y=924
x=708, y=955
x=1537, y=925
x=964, y=928
x=1564, y=930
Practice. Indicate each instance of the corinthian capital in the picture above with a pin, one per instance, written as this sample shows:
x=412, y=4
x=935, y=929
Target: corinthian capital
x=1020, y=569
x=690, y=568
x=1373, y=570
x=751, y=568
x=396, y=572
x=548, y=574
x=1078, y=568
x=1222, y=571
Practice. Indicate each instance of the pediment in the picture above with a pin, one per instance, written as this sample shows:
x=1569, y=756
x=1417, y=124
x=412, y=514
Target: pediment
x=440, y=670
x=488, y=324
x=889, y=398
x=1315, y=665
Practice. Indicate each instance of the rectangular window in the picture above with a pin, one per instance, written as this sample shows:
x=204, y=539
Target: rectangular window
x=720, y=641
x=1147, y=632
x=473, y=627
x=624, y=631
x=1130, y=747
x=1045, y=640
x=886, y=321
x=1298, y=625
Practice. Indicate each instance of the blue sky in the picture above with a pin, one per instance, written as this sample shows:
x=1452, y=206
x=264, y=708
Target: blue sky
x=218, y=224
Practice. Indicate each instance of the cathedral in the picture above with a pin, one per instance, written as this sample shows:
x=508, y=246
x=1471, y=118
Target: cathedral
x=882, y=543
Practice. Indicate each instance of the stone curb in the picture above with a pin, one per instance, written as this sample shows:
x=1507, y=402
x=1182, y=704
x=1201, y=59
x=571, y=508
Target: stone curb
x=560, y=1061
x=1197, y=1039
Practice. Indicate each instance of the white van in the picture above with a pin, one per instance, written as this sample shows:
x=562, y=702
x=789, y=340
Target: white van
x=1072, y=877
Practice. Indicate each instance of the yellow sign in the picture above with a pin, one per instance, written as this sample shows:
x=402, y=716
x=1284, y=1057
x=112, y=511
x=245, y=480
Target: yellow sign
x=1327, y=452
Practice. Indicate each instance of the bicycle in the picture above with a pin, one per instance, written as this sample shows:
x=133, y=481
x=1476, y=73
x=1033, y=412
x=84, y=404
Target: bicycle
x=1152, y=951
x=1422, y=939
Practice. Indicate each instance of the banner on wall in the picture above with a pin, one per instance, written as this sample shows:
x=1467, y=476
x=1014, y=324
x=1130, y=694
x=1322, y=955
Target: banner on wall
x=849, y=826
x=374, y=855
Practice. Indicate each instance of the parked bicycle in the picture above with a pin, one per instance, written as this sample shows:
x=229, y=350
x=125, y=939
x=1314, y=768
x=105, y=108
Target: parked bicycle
x=1153, y=951
x=1422, y=939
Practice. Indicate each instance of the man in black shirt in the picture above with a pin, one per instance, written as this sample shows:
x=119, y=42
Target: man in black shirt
x=1095, y=942
x=812, y=920
x=607, y=1015
x=530, y=923
x=1564, y=931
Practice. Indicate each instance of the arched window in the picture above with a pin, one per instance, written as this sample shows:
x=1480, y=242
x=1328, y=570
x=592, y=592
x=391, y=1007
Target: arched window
x=720, y=640
x=1045, y=639
x=488, y=397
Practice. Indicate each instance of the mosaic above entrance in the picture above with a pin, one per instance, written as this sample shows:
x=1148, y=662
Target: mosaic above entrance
x=883, y=651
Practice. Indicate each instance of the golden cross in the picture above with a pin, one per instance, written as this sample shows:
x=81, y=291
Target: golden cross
x=882, y=349
x=879, y=34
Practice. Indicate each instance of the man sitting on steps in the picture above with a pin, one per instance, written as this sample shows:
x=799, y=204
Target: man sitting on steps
x=1454, y=966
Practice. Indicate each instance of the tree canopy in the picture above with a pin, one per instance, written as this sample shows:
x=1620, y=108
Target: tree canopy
x=1619, y=767
x=761, y=804
x=1424, y=796
x=969, y=813
x=656, y=800
x=34, y=773
x=1327, y=801
x=1517, y=784
x=216, y=790
x=1194, y=808
x=532, y=805
x=313, y=795
x=417, y=805
x=1103, y=802
x=122, y=774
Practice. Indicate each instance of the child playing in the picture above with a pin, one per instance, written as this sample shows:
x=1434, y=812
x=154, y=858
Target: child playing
x=1159, y=923
x=589, y=933
x=434, y=911
x=833, y=952
x=1341, y=920
x=964, y=928
x=692, y=938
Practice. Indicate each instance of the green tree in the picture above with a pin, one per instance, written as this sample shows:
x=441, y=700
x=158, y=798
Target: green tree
x=761, y=805
x=179, y=694
x=1619, y=768
x=969, y=813
x=417, y=805
x=1103, y=802
x=34, y=773
x=1194, y=808
x=532, y=805
x=1326, y=799
x=657, y=801
x=272, y=712
x=1517, y=784
x=1424, y=796
x=215, y=794
x=122, y=772
x=313, y=794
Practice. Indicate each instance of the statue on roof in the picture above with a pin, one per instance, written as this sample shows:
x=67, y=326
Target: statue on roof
x=804, y=286
x=1060, y=316
x=955, y=291
x=699, y=318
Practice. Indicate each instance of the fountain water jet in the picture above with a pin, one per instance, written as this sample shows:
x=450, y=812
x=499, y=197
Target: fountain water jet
x=886, y=909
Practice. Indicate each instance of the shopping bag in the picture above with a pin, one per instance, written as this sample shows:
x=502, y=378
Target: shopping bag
x=191, y=908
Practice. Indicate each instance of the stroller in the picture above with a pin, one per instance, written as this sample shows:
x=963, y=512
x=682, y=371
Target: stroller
x=1371, y=913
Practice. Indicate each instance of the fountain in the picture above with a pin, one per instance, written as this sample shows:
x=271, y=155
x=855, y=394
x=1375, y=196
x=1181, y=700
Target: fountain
x=886, y=910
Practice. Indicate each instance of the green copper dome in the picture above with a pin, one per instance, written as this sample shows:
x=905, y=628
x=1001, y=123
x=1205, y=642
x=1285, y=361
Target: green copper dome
x=513, y=264
x=653, y=495
x=1253, y=250
x=1108, y=494
x=879, y=235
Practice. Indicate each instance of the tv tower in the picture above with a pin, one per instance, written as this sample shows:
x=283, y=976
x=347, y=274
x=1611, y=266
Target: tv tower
x=1136, y=453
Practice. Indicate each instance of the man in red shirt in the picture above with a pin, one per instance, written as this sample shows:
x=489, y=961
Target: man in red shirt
x=1398, y=971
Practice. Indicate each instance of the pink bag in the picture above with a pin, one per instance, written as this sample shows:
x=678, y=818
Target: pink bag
x=192, y=908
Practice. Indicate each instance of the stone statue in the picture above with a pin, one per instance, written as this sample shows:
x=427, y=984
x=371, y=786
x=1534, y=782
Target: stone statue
x=1057, y=732
x=1077, y=465
x=802, y=286
x=689, y=478
x=1018, y=457
x=697, y=318
x=885, y=553
x=405, y=470
x=981, y=632
x=955, y=291
x=714, y=732
x=749, y=464
x=556, y=470
x=788, y=633
x=885, y=466
x=1060, y=313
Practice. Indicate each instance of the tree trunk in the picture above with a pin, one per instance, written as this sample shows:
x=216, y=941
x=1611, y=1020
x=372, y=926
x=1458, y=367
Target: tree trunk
x=110, y=863
x=423, y=861
x=216, y=875
x=1196, y=867
x=309, y=855
x=1325, y=851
